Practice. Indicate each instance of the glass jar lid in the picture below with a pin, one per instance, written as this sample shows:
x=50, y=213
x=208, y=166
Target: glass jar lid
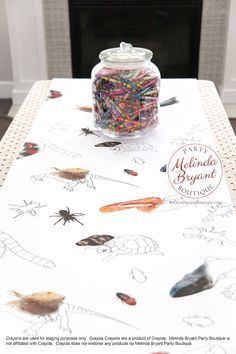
x=125, y=55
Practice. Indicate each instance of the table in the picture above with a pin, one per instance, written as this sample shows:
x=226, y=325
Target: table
x=152, y=269
x=222, y=131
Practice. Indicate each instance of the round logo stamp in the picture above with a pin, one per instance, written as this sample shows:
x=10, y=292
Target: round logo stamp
x=195, y=170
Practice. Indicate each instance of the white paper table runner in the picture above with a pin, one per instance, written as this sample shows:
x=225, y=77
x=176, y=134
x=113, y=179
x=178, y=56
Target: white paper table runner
x=145, y=253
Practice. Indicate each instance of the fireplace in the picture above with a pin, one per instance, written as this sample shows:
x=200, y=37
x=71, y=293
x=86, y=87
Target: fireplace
x=170, y=28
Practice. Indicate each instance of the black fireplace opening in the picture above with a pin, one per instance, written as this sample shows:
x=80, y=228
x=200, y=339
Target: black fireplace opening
x=169, y=28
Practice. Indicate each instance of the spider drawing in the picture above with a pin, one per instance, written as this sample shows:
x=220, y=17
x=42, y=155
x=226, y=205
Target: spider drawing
x=26, y=208
x=87, y=131
x=66, y=216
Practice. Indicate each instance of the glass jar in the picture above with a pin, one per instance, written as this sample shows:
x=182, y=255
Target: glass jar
x=126, y=87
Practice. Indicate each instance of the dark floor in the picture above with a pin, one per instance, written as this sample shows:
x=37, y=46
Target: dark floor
x=5, y=120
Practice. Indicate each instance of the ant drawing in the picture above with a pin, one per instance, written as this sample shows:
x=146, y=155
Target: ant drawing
x=66, y=216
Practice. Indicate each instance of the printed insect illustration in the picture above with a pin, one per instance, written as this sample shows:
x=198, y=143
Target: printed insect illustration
x=8, y=242
x=179, y=141
x=145, y=204
x=198, y=321
x=84, y=108
x=169, y=102
x=219, y=209
x=41, y=303
x=71, y=173
x=128, y=147
x=130, y=172
x=66, y=216
x=129, y=245
x=26, y=208
x=229, y=292
x=47, y=308
x=126, y=299
x=108, y=144
x=87, y=131
x=95, y=240
x=29, y=149
x=54, y=94
x=138, y=160
x=58, y=126
x=205, y=276
x=77, y=176
x=138, y=275
x=163, y=168
x=209, y=235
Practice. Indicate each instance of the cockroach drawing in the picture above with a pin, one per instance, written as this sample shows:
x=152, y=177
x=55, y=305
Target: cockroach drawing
x=108, y=144
x=126, y=299
x=130, y=172
x=95, y=240
x=54, y=94
x=138, y=160
x=66, y=216
x=138, y=275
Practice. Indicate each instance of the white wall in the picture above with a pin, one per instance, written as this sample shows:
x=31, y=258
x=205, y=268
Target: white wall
x=27, y=45
x=228, y=89
x=6, y=83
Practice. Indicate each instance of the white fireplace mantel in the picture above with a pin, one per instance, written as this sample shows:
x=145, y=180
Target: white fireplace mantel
x=29, y=57
x=27, y=45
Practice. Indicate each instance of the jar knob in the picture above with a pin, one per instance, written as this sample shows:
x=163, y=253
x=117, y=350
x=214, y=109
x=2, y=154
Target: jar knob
x=126, y=47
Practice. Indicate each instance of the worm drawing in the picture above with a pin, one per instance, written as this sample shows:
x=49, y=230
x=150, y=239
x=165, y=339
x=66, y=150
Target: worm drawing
x=8, y=242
